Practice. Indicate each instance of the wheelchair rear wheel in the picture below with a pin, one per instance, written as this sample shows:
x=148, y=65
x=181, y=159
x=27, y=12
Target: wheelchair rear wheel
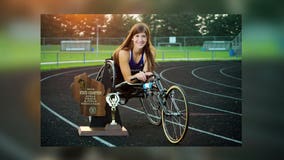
x=106, y=74
x=107, y=70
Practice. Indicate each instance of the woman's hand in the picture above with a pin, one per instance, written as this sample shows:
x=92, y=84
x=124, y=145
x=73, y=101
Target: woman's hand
x=142, y=76
x=149, y=76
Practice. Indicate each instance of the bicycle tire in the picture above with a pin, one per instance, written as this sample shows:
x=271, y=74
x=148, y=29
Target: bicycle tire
x=175, y=114
x=151, y=108
x=109, y=67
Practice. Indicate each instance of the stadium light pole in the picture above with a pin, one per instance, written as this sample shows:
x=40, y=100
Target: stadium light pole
x=98, y=39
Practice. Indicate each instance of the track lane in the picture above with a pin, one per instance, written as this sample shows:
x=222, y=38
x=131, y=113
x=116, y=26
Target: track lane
x=143, y=121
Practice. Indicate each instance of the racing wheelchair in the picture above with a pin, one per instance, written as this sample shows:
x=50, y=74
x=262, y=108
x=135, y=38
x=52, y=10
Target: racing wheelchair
x=161, y=105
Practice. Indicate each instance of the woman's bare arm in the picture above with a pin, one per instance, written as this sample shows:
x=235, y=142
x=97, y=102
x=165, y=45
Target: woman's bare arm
x=125, y=69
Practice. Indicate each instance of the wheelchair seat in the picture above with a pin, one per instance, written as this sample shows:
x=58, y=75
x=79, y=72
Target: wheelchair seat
x=128, y=90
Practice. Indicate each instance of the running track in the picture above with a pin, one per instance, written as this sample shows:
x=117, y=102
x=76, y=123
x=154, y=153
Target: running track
x=214, y=95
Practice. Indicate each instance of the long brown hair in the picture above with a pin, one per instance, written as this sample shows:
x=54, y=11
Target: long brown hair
x=148, y=49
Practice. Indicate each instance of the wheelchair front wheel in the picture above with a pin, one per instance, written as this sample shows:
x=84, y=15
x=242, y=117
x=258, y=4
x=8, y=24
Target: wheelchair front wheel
x=175, y=115
x=151, y=108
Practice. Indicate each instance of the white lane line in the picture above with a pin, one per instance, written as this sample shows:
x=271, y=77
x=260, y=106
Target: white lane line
x=192, y=128
x=213, y=108
x=131, y=108
x=59, y=116
x=58, y=74
x=66, y=120
x=215, y=135
x=104, y=141
x=227, y=75
x=74, y=125
x=192, y=88
x=210, y=81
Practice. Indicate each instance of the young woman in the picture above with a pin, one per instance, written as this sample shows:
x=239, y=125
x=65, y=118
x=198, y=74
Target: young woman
x=135, y=57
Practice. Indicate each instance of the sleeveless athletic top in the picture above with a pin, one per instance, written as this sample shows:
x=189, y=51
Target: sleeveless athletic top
x=134, y=67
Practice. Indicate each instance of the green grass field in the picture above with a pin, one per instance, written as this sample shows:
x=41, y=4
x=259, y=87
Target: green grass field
x=52, y=53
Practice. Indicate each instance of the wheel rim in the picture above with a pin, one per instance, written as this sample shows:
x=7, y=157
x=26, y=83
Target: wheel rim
x=151, y=108
x=175, y=115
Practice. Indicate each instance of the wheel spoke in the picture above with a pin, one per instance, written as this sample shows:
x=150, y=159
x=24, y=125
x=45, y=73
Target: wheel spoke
x=151, y=109
x=175, y=115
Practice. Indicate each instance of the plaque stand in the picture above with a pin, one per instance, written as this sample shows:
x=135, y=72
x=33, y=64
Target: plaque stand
x=111, y=129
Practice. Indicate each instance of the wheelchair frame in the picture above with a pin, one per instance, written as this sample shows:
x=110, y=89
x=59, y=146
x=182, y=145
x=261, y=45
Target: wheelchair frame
x=161, y=105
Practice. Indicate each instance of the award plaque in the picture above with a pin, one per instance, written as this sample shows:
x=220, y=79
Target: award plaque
x=90, y=94
x=111, y=129
x=92, y=97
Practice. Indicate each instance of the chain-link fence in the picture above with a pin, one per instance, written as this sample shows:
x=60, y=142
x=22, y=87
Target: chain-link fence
x=182, y=48
x=183, y=40
x=192, y=40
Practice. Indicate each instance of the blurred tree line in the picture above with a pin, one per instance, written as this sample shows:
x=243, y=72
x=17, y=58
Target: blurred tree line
x=118, y=25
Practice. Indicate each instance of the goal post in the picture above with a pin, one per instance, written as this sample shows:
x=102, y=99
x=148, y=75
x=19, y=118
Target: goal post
x=214, y=46
x=217, y=45
x=172, y=41
x=169, y=44
x=75, y=45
